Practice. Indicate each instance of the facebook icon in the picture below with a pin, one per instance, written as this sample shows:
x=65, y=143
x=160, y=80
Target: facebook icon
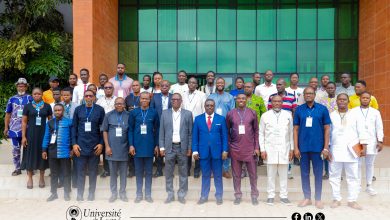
x=296, y=216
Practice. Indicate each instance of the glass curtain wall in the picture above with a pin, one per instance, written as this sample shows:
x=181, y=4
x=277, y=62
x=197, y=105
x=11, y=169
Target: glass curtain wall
x=238, y=37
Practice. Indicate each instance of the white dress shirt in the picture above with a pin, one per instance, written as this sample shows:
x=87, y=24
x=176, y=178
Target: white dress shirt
x=265, y=91
x=194, y=102
x=176, y=116
x=149, y=90
x=107, y=103
x=177, y=88
x=164, y=101
x=78, y=93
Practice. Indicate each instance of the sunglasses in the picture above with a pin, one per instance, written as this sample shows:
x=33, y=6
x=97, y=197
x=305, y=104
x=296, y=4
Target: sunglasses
x=108, y=87
x=88, y=96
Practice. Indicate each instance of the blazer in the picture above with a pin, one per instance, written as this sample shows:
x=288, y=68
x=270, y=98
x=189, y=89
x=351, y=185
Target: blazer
x=156, y=103
x=166, y=130
x=212, y=142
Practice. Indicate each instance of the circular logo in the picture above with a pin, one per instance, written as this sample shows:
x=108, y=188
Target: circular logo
x=308, y=216
x=320, y=216
x=296, y=216
x=73, y=213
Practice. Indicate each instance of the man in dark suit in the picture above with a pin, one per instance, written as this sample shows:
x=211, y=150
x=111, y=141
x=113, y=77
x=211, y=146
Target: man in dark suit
x=161, y=101
x=175, y=144
x=209, y=144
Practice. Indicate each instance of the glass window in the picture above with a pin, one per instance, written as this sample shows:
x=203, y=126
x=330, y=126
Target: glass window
x=226, y=62
x=266, y=23
x=207, y=24
x=167, y=57
x=147, y=2
x=307, y=56
x=246, y=23
x=226, y=24
x=147, y=25
x=286, y=58
x=206, y=56
x=167, y=24
x=246, y=56
x=326, y=56
x=326, y=15
x=187, y=56
x=286, y=23
x=344, y=21
x=128, y=54
x=186, y=24
x=266, y=56
x=128, y=21
x=147, y=57
x=347, y=55
x=307, y=25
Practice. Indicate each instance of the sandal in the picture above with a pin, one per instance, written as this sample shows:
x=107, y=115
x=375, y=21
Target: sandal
x=16, y=172
x=354, y=205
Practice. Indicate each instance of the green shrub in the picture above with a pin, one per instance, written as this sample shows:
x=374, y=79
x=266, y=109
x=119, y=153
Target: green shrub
x=7, y=89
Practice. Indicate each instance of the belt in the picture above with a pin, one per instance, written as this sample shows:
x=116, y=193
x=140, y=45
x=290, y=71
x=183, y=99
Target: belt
x=176, y=143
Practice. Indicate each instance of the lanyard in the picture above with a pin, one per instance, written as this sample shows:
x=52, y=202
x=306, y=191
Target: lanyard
x=164, y=99
x=120, y=80
x=67, y=109
x=175, y=119
x=144, y=115
x=343, y=116
x=38, y=106
x=277, y=114
x=86, y=112
x=311, y=111
x=55, y=125
x=108, y=103
x=364, y=115
x=241, y=117
x=135, y=101
x=193, y=96
x=119, y=119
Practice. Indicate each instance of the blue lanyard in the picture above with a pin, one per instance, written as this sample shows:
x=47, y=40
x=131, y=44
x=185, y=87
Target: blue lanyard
x=119, y=119
x=38, y=106
x=120, y=80
x=144, y=115
x=86, y=112
x=311, y=111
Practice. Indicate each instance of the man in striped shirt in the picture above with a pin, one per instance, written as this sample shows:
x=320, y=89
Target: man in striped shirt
x=289, y=101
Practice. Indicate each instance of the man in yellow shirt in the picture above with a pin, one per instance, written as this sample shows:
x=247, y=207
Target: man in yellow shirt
x=354, y=100
x=47, y=96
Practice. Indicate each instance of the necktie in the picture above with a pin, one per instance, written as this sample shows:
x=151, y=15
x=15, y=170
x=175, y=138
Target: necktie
x=85, y=87
x=209, y=122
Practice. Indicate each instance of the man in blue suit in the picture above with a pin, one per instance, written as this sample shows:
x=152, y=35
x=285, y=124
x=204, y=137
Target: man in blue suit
x=210, y=145
x=161, y=101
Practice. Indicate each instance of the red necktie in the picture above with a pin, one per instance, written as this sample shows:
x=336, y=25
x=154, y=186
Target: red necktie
x=85, y=87
x=209, y=122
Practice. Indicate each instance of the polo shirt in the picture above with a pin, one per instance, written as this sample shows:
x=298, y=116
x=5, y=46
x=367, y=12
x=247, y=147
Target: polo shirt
x=289, y=101
x=311, y=139
x=354, y=101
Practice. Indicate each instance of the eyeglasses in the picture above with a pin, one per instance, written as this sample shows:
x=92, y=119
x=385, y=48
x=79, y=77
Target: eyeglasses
x=176, y=99
x=108, y=88
x=119, y=104
x=88, y=96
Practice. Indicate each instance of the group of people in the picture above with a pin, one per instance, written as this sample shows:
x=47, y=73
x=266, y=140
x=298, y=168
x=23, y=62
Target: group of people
x=134, y=125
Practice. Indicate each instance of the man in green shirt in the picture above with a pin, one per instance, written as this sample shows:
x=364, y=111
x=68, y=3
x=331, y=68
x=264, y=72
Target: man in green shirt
x=254, y=102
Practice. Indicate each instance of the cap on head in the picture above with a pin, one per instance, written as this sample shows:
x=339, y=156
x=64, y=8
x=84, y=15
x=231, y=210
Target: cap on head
x=21, y=81
x=53, y=78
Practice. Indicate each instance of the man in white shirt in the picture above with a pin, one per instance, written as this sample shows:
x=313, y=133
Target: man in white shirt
x=146, y=84
x=369, y=122
x=313, y=83
x=210, y=86
x=321, y=92
x=346, y=86
x=293, y=88
x=181, y=85
x=103, y=78
x=267, y=88
x=79, y=90
x=193, y=101
x=343, y=136
x=276, y=145
x=122, y=83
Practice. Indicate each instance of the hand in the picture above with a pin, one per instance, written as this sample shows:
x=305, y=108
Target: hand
x=196, y=156
x=76, y=150
x=364, y=152
x=98, y=149
x=264, y=155
x=189, y=153
x=290, y=155
x=132, y=150
x=44, y=155
x=224, y=155
x=325, y=152
x=108, y=151
x=24, y=142
x=5, y=133
x=71, y=154
x=379, y=146
x=156, y=151
x=162, y=153
x=297, y=153
x=257, y=152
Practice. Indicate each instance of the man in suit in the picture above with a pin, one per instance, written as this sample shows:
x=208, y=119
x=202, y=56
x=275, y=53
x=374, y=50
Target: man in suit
x=209, y=145
x=175, y=144
x=160, y=102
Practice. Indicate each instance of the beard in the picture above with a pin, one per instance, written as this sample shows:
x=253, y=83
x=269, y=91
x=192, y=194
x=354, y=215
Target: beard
x=277, y=109
x=21, y=93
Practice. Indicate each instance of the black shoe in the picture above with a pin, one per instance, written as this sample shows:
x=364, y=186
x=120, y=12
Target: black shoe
x=182, y=200
x=373, y=178
x=80, y=198
x=149, y=199
x=16, y=172
x=196, y=175
x=169, y=200
x=157, y=174
x=137, y=199
x=237, y=201
x=91, y=197
x=325, y=176
x=52, y=197
x=130, y=174
x=202, y=201
x=66, y=197
x=270, y=201
x=219, y=201
x=112, y=199
x=189, y=173
x=123, y=198
x=105, y=174
x=254, y=201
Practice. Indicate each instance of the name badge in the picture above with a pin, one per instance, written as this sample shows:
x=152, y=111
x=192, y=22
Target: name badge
x=20, y=113
x=309, y=122
x=241, y=129
x=118, y=132
x=88, y=126
x=38, y=121
x=219, y=111
x=144, y=129
x=53, y=138
x=120, y=93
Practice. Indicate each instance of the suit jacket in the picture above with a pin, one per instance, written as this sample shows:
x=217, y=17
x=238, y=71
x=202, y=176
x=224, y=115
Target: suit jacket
x=156, y=103
x=207, y=142
x=166, y=130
